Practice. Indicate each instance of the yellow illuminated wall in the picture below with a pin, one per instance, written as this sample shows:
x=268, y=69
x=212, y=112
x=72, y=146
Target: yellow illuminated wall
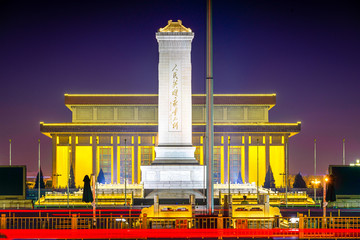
x=222, y=165
x=253, y=164
x=199, y=154
x=277, y=163
x=62, y=165
x=83, y=164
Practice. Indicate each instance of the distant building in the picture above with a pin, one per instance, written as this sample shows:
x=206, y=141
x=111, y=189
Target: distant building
x=345, y=180
x=118, y=133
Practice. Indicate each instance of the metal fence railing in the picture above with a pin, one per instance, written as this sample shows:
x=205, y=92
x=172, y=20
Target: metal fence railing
x=104, y=222
x=301, y=227
x=76, y=222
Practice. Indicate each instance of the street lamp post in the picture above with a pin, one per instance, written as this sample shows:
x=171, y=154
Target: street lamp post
x=286, y=170
x=125, y=172
x=315, y=169
x=96, y=183
x=94, y=199
x=315, y=182
x=324, y=196
x=39, y=186
x=229, y=168
x=204, y=173
x=68, y=174
x=257, y=169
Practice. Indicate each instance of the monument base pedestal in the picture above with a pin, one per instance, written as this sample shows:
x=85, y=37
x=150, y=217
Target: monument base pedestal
x=173, y=176
x=175, y=194
x=175, y=155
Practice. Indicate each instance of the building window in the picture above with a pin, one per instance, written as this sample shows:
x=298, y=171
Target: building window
x=218, y=113
x=198, y=114
x=235, y=165
x=105, y=113
x=126, y=113
x=235, y=113
x=126, y=164
x=217, y=164
x=105, y=162
x=147, y=113
x=146, y=156
x=256, y=113
x=84, y=113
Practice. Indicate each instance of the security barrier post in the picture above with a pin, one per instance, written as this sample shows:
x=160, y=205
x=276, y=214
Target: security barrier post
x=144, y=221
x=73, y=221
x=3, y=221
x=220, y=222
x=301, y=225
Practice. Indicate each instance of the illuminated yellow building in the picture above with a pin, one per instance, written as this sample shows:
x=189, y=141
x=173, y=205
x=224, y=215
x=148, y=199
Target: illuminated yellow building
x=109, y=131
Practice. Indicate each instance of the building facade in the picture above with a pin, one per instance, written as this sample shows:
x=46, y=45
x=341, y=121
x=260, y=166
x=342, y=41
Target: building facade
x=118, y=134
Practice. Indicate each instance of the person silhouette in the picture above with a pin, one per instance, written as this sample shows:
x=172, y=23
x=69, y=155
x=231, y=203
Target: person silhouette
x=87, y=193
x=244, y=201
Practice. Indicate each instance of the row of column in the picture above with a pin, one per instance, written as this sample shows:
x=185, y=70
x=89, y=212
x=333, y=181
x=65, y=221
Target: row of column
x=135, y=144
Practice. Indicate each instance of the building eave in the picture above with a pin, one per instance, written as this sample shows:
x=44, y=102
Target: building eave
x=152, y=99
x=96, y=128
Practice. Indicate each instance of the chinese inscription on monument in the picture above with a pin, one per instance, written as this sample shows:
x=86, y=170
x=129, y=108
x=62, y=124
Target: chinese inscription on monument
x=174, y=97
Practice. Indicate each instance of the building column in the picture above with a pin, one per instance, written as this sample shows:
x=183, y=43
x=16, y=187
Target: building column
x=135, y=158
x=267, y=153
x=246, y=153
x=54, y=173
x=286, y=140
x=73, y=147
x=114, y=144
x=226, y=158
x=94, y=151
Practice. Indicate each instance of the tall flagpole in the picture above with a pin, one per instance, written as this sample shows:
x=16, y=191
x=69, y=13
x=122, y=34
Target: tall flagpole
x=229, y=186
x=209, y=111
x=286, y=170
x=39, y=186
x=343, y=151
x=204, y=173
x=68, y=174
x=10, y=152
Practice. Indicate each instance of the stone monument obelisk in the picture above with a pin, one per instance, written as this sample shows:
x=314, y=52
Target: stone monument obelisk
x=175, y=166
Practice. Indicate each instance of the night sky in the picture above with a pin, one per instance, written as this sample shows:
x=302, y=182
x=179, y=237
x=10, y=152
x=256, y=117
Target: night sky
x=307, y=52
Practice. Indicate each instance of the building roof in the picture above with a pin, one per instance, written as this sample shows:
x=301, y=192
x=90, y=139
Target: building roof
x=63, y=128
x=174, y=27
x=152, y=99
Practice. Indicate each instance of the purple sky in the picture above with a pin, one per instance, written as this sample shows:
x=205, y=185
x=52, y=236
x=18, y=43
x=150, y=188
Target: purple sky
x=307, y=52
